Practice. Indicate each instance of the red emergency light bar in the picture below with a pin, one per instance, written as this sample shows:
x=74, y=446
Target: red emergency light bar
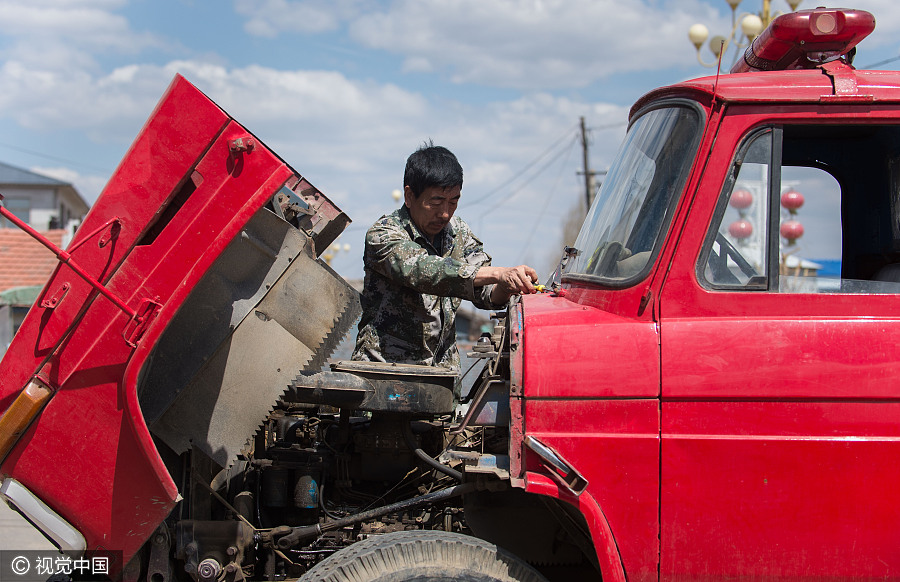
x=806, y=39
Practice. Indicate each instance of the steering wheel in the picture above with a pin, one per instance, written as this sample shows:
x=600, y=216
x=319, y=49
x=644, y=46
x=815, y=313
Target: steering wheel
x=606, y=257
x=729, y=251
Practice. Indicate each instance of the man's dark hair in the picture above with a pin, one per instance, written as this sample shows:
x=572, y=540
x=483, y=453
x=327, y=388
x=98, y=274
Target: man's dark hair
x=432, y=165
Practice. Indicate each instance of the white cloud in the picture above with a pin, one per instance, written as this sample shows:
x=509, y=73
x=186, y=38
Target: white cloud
x=269, y=18
x=58, y=33
x=528, y=44
x=531, y=44
x=350, y=135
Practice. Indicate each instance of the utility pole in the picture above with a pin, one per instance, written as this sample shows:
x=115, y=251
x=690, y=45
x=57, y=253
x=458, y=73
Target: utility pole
x=588, y=175
x=589, y=186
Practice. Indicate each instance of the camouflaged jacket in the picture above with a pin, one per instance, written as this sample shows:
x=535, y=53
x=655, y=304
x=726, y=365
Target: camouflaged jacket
x=412, y=290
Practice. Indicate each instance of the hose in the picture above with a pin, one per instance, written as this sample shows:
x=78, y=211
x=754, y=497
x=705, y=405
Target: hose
x=299, y=534
x=425, y=457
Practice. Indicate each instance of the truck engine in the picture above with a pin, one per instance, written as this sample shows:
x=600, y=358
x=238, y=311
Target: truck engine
x=347, y=453
x=321, y=476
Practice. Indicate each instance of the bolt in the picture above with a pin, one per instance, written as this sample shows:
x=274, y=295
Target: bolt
x=209, y=569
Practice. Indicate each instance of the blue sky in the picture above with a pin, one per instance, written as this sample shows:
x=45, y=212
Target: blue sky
x=345, y=90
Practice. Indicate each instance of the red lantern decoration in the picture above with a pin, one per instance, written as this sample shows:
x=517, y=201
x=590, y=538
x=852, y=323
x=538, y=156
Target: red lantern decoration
x=741, y=199
x=792, y=200
x=791, y=230
x=740, y=229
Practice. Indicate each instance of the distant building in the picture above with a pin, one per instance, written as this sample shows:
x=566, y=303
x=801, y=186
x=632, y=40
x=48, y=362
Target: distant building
x=25, y=266
x=44, y=203
x=50, y=206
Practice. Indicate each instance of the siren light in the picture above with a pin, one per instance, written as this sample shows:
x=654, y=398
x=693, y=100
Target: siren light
x=806, y=39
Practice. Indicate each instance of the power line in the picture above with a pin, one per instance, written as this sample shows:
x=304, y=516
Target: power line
x=54, y=158
x=519, y=174
x=878, y=64
x=542, y=214
x=566, y=149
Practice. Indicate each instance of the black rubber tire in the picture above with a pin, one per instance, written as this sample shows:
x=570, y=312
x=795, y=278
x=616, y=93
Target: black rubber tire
x=426, y=556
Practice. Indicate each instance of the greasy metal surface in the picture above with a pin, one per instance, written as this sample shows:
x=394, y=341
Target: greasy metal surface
x=333, y=388
x=393, y=369
x=378, y=390
x=404, y=388
x=492, y=409
x=267, y=310
x=198, y=541
x=159, y=566
x=483, y=463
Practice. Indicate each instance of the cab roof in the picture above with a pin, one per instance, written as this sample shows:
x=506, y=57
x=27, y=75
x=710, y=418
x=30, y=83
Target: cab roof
x=834, y=82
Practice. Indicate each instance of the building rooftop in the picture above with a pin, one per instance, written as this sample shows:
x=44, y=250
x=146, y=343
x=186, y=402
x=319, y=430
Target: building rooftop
x=11, y=175
x=24, y=262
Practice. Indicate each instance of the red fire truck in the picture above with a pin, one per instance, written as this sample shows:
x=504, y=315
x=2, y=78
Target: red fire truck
x=709, y=390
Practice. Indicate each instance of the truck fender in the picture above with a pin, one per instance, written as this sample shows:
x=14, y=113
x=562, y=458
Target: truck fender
x=604, y=543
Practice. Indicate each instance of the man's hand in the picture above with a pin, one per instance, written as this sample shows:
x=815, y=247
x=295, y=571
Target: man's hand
x=507, y=281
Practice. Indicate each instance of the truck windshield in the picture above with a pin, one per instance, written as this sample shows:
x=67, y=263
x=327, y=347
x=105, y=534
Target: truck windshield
x=622, y=231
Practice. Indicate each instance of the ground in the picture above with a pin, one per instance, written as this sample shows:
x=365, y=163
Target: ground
x=18, y=534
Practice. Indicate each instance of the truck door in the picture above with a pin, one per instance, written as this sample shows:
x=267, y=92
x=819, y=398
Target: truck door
x=780, y=326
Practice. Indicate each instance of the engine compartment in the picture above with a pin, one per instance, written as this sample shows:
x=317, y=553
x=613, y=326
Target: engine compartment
x=319, y=477
x=345, y=452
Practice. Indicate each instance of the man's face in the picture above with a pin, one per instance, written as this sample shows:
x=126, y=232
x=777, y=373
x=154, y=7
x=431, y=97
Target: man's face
x=432, y=210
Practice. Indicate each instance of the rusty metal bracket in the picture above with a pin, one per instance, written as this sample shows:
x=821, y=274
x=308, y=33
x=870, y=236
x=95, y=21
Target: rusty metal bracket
x=54, y=300
x=473, y=406
x=846, y=86
x=140, y=321
x=241, y=144
x=159, y=566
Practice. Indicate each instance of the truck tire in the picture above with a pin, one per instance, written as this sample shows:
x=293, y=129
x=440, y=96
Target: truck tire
x=427, y=556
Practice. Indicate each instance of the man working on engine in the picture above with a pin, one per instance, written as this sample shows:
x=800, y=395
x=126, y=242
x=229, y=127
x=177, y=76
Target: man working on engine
x=420, y=262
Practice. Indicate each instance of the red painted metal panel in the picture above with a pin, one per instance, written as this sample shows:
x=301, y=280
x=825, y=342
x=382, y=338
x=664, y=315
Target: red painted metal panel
x=614, y=444
x=611, y=568
x=135, y=193
x=782, y=358
x=780, y=491
x=784, y=423
x=90, y=456
x=774, y=88
x=577, y=351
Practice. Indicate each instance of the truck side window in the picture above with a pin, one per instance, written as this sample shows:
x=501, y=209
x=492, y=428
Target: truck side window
x=735, y=256
x=809, y=209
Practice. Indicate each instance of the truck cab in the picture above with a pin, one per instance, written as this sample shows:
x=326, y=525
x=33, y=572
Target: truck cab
x=717, y=362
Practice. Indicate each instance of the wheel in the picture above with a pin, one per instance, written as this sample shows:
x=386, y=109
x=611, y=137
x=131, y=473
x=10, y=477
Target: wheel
x=427, y=556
